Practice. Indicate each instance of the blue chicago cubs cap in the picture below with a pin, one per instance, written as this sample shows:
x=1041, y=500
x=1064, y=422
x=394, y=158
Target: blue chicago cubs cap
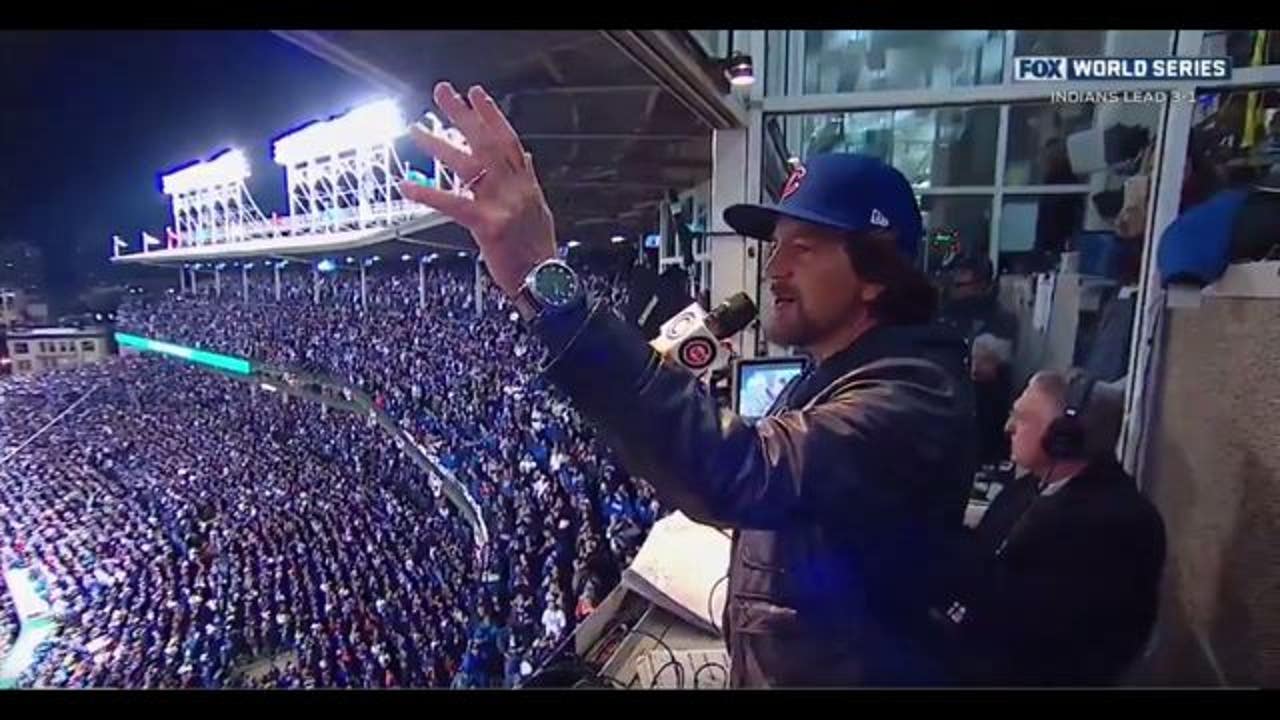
x=845, y=191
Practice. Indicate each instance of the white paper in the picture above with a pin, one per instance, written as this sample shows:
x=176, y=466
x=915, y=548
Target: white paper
x=683, y=562
x=1044, y=301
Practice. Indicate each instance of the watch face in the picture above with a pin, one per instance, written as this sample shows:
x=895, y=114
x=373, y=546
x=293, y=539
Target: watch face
x=555, y=284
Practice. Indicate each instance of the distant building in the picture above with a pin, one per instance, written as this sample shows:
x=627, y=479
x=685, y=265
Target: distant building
x=20, y=307
x=34, y=350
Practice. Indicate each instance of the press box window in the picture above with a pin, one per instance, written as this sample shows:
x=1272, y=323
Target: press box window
x=933, y=147
x=808, y=62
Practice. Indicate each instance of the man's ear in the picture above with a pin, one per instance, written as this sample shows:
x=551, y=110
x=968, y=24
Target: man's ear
x=871, y=292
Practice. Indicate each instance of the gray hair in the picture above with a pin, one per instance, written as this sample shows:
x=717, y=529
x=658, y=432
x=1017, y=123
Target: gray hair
x=1103, y=411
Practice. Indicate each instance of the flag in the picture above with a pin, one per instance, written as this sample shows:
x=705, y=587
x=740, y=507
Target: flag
x=171, y=236
x=117, y=244
x=149, y=241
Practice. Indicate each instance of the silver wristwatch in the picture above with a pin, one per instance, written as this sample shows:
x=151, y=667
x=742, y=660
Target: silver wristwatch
x=551, y=287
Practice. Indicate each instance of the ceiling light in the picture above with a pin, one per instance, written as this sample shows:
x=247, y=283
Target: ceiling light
x=740, y=70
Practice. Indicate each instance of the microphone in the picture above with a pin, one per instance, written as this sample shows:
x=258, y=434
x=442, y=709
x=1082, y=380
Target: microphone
x=691, y=338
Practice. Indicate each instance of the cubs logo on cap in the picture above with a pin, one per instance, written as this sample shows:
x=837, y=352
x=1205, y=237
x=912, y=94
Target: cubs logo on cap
x=845, y=191
x=793, y=182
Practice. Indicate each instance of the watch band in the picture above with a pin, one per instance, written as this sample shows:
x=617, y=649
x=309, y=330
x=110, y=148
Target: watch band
x=525, y=303
x=528, y=303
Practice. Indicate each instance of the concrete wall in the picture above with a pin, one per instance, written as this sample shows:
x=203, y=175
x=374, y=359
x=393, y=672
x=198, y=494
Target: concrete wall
x=1213, y=469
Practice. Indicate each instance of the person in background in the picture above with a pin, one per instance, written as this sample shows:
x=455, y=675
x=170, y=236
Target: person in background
x=1068, y=558
x=993, y=390
x=972, y=308
x=553, y=620
x=972, y=305
x=586, y=602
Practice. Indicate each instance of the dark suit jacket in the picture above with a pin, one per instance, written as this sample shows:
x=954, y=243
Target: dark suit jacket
x=1068, y=585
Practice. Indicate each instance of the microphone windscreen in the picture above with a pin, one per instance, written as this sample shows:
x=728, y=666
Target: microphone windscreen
x=732, y=315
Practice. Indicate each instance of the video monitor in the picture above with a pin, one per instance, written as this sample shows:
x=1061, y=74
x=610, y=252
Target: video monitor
x=757, y=383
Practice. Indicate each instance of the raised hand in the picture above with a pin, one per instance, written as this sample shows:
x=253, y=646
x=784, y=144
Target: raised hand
x=506, y=212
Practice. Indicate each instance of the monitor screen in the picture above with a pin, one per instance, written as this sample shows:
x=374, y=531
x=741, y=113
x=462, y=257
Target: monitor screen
x=652, y=242
x=758, y=383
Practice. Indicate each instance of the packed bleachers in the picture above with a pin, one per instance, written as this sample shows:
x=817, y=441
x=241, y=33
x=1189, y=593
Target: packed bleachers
x=193, y=526
x=8, y=621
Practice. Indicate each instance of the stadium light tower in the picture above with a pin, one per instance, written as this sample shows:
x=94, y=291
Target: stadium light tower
x=344, y=174
x=209, y=201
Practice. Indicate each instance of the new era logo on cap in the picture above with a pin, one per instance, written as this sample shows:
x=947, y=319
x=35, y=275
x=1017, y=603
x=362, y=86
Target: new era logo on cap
x=878, y=218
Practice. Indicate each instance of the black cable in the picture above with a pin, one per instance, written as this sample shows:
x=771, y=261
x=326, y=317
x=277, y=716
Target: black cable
x=711, y=664
x=655, y=638
x=679, y=674
x=711, y=605
x=670, y=653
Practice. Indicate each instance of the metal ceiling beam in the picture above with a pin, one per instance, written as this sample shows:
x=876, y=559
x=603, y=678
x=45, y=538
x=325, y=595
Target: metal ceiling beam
x=608, y=183
x=620, y=192
x=682, y=72
x=573, y=137
x=587, y=90
x=320, y=46
x=654, y=167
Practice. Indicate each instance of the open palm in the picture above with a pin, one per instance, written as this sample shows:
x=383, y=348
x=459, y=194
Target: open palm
x=505, y=210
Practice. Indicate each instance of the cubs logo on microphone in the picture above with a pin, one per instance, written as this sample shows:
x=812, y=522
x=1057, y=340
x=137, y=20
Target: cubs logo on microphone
x=697, y=353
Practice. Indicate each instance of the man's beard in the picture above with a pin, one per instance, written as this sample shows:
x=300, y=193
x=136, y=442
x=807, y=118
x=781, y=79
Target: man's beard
x=800, y=329
x=792, y=327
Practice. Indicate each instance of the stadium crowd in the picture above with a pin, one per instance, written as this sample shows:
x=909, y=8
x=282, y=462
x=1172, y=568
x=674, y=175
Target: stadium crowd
x=8, y=622
x=195, y=531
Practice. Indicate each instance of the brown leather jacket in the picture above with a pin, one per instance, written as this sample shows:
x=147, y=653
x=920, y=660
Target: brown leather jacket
x=835, y=498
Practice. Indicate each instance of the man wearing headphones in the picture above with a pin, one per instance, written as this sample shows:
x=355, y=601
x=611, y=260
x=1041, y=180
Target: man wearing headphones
x=1071, y=553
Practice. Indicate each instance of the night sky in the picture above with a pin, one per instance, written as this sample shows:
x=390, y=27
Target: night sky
x=89, y=119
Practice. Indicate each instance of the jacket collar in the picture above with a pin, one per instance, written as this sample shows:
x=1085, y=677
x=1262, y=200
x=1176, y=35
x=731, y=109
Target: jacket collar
x=1100, y=472
x=875, y=343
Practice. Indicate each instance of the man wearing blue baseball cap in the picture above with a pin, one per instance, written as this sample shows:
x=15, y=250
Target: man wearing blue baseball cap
x=839, y=496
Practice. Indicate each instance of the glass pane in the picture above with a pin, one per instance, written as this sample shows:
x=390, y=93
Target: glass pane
x=846, y=61
x=1246, y=48
x=1033, y=226
x=715, y=43
x=1111, y=43
x=956, y=224
x=775, y=57
x=1037, y=152
x=933, y=147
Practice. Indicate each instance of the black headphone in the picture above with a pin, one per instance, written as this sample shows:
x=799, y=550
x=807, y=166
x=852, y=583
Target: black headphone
x=1066, y=437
